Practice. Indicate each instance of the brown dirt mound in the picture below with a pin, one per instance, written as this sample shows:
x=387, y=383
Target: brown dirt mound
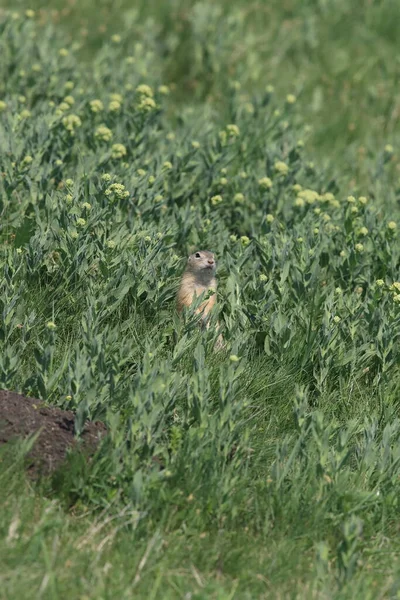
x=21, y=417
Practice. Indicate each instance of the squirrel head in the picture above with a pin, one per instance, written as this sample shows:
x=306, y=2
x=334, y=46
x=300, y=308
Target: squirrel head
x=202, y=261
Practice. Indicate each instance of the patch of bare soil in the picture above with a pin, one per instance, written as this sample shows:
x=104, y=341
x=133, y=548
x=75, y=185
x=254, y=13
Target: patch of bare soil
x=21, y=417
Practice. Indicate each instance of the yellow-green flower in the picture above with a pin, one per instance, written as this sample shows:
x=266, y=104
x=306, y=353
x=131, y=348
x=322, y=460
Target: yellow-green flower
x=115, y=97
x=141, y=172
x=69, y=85
x=263, y=277
x=71, y=122
x=96, y=106
x=316, y=230
x=396, y=297
x=68, y=198
x=245, y=240
x=379, y=283
x=118, y=151
x=362, y=200
x=117, y=189
x=69, y=100
x=359, y=248
x=223, y=181
x=337, y=319
x=114, y=106
x=265, y=182
x=163, y=89
x=103, y=133
x=86, y=206
x=395, y=286
x=270, y=89
x=167, y=165
x=389, y=149
x=63, y=107
x=351, y=199
x=63, y=52
x=106, y=177
x=146, y=104
x=195, y=144
x=239, y=197
x=27, y=160
x=270, y=218
x=297, y=188
x=281, y=167
x=145, y=90
x=116, y=39
x=233, y=130
x=3, y=105
x=81, y=222
x=299, y=202
x=363, y=231
x=30, y=13
x=69, y=182
x=234, y=358
x=317, y=210
x=392, y=225
x=310, y=196
x=51, y=325
x=233, y=238
x=215, y=200
x=291, y=98
x=328, y=197
x=25, y=114
x=111, y=244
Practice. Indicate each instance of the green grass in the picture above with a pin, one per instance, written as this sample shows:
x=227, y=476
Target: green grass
x=341, y=60
x=270, y=469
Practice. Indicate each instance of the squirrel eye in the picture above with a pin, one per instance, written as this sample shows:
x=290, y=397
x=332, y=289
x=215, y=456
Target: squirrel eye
x=198, y=255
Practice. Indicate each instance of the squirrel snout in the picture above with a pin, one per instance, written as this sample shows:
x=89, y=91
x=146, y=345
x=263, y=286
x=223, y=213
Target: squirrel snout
x=211, y=261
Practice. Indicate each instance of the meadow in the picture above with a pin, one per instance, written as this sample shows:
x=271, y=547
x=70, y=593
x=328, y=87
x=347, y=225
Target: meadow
x=270, y=469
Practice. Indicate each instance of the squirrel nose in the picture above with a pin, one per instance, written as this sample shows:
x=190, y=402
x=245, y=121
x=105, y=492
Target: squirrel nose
x=210, y=262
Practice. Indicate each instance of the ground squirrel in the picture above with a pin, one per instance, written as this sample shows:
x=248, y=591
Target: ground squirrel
x=199, y=278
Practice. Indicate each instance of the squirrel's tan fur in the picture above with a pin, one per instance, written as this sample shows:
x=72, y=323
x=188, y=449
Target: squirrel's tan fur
x=198, y=278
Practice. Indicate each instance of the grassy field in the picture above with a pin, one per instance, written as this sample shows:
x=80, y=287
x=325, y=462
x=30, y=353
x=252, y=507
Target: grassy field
x=267, y=134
